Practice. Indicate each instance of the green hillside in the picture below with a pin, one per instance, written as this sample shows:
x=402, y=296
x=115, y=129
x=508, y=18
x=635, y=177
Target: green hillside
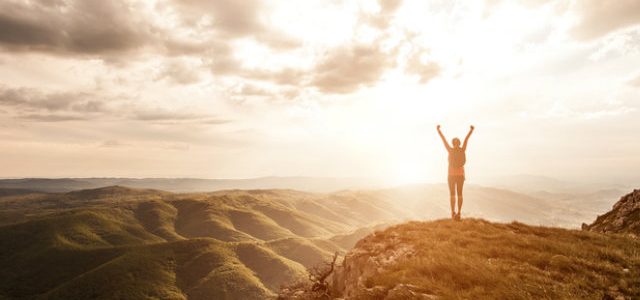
x=122, y=243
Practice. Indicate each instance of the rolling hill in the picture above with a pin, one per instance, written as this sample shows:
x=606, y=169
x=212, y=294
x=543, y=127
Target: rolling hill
x=121, y=242
x=118, y=242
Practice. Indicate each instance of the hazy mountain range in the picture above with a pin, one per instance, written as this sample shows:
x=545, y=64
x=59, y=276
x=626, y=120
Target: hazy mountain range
x=523, y=183
x=180, y=185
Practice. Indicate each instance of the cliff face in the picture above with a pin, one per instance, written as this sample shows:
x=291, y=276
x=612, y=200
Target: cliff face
x=476, y=259
x=623, y=218
x=370, y=257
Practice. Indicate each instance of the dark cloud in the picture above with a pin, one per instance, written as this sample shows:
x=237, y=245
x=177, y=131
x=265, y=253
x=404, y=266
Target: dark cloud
x=76, y=26
x=598, y=18
x=109, y=29
x=345, y=69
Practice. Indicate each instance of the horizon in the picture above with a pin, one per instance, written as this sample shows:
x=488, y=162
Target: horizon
x=227, y=90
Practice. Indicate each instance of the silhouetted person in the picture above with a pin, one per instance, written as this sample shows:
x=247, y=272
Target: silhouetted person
x=457, y=159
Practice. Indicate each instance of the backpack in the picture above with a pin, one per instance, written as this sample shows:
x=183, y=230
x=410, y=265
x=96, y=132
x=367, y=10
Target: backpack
x=457, y=158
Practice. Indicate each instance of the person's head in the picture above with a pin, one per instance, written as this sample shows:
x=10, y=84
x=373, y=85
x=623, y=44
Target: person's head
x=456, y=142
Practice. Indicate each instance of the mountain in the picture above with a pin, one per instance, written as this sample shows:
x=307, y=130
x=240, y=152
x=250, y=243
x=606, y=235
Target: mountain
x=182, y=185
x=477, y=259
x=623, y=218
x=534, y=184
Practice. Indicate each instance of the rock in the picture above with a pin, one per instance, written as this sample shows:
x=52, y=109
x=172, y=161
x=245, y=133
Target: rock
x=623, y=218
x=374, y=293
x=361, y=264
x=407, y=291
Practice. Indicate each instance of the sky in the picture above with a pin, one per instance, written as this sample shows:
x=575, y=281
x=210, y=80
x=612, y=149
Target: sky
x=238, y=89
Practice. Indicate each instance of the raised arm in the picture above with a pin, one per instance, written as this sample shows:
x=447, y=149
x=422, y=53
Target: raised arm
x=466, y=139
x=444, y=140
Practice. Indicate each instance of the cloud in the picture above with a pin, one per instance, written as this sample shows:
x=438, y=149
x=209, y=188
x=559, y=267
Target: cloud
x=382, y=18
x=37, y=105
x=76, y=26
x=285, y=76
x=172, y=117
x=180, y=72
x=112, y=29
x=345, y=69
x=249, y=89
x=52, y=117
x=230, y=19
x=112, y=144
x=29, y=100
x=425, y=70
x=598, y=18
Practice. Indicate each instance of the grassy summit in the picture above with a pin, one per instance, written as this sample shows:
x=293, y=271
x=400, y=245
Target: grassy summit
x=476, y=259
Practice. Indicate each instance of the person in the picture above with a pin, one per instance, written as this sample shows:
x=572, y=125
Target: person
x=457, y=159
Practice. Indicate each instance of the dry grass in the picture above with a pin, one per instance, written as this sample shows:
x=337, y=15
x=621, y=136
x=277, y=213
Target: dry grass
x=477, y=259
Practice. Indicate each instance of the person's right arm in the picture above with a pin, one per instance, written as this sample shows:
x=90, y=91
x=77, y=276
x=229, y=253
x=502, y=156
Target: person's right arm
x=444, y=140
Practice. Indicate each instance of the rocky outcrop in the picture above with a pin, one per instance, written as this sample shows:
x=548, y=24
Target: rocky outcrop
x=623, y=218
x=374, y=255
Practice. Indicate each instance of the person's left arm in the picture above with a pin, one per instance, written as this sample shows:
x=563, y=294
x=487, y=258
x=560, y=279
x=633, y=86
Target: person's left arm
x=466, y=139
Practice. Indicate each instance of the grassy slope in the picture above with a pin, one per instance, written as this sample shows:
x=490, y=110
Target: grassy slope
x=197, y=269
x=117, y=242
x=300, y=250
x=476, y=259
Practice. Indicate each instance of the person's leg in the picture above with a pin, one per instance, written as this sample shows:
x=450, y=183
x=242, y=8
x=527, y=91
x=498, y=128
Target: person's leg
x=459, y=186
x=452, y=195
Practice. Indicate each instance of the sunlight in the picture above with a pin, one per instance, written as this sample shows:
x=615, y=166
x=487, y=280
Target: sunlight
x=406, y=171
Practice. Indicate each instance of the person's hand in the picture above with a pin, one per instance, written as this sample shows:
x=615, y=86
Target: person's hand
x=438, y=127
x=472, y=128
